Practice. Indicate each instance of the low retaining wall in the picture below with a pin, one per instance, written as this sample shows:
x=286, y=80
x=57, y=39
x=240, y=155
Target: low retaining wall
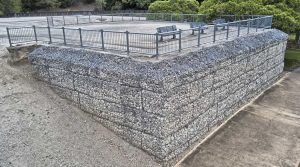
x=164, y=107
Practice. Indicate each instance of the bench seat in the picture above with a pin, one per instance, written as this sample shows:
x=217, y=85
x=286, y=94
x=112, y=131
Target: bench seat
x=195, y=27
x=167, y=31
x=220, y=23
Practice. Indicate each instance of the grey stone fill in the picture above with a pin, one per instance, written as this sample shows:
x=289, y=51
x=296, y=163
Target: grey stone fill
x=165, y=107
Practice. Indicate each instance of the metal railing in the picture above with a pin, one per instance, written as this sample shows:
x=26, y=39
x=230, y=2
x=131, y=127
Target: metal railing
x=117, y=17
x=67, y=13
x=141, y=43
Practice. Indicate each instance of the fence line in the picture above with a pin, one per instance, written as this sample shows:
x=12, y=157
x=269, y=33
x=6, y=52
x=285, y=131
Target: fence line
x=141, y=43
x=66, y=13
x=113, y=17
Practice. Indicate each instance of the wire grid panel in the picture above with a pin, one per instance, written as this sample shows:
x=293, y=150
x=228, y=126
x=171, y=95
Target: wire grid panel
x=70, y=20
x=72, y=37
x=83, y=19
x=244, y=27
x=252, y=26
x=57, y=35
x=115, y=40
x=267, y=22
x=207, y=37
x=232, y=30
x=58, y=21
x=188, y=40
x=21, y=35
x=142, y=43
x=42, y=34
x=91, y=38
x=221, y=34
x=168, y=44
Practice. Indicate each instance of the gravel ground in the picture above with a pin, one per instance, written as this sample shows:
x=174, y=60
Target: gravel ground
x=264, y=134
x=38, y=128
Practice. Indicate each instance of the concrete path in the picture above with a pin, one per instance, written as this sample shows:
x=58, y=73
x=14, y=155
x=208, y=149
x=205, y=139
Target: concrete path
x=266, y=133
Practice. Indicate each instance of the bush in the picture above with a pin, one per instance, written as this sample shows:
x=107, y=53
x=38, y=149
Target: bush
x=10, y=6
x=174, y=6
x=285, y=15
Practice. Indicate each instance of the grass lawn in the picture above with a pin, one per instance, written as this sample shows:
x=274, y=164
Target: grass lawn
x=292, y=37
x=292, y=59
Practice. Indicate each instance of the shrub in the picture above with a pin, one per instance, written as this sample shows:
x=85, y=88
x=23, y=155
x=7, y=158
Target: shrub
x=174, y=6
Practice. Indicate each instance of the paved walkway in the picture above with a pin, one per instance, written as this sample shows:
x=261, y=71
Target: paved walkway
x=266, y=133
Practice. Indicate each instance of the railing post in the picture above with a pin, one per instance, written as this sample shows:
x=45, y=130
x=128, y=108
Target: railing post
x=77, y=20
x=171, y=17
x=52, y=20
x=64, y=35
x=239, y=28
x=156, y=42
x=227, y=31
x=271, y=17
x=122, y=17
x=89, y=18
x=48, y=22
x=199, y=32
x=80, y=36
x=112, y=18
x=215, y=29
x=127, y=41
x=248, y=24
x=64, y=20
x=49, y=32
x=102, y=39
x=256, y=24
x=180, y=48
x=8, y=35
x=34, y=31
x=264, y=26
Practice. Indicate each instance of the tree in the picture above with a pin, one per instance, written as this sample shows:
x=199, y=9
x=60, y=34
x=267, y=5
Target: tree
x=137, y=4
x=100, y=4
x=175, y=6
x=67, y=3
x=10, y=6
x=48, y=4
x=286, y=12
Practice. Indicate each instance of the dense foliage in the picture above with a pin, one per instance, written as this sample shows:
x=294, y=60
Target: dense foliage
x=10, y=6
x=175, y=6
x=286, y=12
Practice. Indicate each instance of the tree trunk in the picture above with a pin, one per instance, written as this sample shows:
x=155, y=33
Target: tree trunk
x=297, y=39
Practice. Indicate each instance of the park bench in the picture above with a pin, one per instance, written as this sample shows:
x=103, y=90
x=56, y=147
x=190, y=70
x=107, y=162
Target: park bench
x=220, y=23
x=167, y=31
x=198, y=25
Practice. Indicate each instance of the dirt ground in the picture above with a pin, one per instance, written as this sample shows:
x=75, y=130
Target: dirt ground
x=264, y=134
x=38, y=128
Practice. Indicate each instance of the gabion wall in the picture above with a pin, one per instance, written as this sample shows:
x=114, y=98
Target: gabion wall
x=164, y=107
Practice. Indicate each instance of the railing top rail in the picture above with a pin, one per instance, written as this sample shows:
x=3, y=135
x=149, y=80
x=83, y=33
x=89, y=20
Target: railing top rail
x=140, y=43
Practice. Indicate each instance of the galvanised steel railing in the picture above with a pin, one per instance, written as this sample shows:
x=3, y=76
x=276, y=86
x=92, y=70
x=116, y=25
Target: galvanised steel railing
x=117, y=17
x=141, y=43
x=66, y=13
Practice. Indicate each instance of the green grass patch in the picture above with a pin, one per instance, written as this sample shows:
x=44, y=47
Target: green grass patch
x=292, y=59
x=292, y=37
